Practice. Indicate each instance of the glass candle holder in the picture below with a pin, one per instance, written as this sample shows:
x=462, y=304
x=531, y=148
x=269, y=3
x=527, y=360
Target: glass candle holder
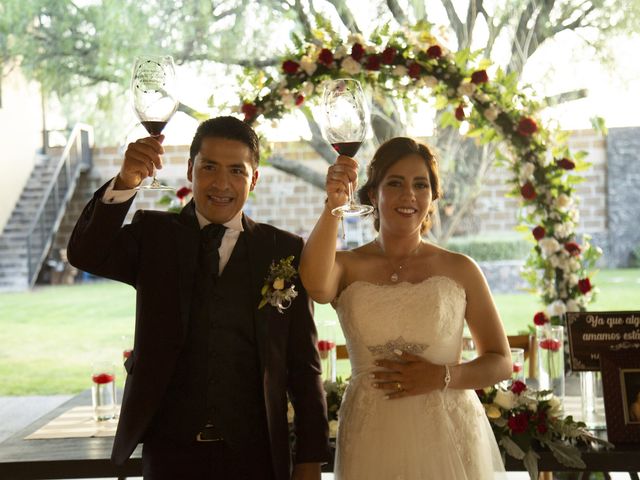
x=517, y=359
x=551, y=358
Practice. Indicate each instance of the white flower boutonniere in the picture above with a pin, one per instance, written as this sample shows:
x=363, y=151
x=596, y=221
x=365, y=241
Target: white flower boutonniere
x=279, y=290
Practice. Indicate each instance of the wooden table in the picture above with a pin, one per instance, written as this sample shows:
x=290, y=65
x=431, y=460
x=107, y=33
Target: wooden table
x=90, y=457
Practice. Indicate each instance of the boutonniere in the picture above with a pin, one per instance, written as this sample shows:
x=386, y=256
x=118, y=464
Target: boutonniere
x=278, y=289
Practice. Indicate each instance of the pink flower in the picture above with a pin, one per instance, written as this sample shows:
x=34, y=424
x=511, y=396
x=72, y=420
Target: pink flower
x=527, y=126
x=290, y=67
x=584, y=285
x=434, y=51
x=357, y=52
x=573, y=248
x=183, y=192
x=326, y=57
x=479, y=77
x=539, y=232
x=459, y=113
x=528, y=192
x=373, y=62
x=566, y=164
x=518, y=387
x=540, y=319
x=389, y=55
x=414, y=70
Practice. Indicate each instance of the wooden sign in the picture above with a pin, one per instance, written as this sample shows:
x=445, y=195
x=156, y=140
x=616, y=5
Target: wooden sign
x=593, y=332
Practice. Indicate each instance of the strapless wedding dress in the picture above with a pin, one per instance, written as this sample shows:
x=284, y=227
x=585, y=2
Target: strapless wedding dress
x=440, y=436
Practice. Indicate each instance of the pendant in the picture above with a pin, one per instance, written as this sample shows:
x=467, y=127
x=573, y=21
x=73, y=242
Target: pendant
x=394, y=277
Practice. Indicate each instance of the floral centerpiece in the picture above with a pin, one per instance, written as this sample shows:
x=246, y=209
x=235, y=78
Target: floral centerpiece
x=524, y=420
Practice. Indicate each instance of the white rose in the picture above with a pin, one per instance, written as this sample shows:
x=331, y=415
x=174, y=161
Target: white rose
x=491, y=113
x=350, y=66
x=574, y=264
x=400, y=71
x=288, y=100
x=466, y=88
x=572, y=280
x=480, y=95
x=340, y=52
x=555, y=405
x=563, y=201
x=370, y=49
x=527, y=171
x=307, y=89
x=505, y=399
x=554, y=260
x=556, y=308
x=549, y=246
x=355, y=38
x=562, y=229
x=572, y=305
x=308, y=65
x=333, y=428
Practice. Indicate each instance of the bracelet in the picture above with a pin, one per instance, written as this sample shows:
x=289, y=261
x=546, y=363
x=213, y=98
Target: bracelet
x=447, y=378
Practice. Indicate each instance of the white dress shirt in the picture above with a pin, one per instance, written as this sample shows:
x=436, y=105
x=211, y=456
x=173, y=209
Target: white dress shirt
x=231, y=234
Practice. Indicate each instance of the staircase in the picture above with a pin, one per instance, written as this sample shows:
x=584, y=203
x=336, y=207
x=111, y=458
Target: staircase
x=28, y=234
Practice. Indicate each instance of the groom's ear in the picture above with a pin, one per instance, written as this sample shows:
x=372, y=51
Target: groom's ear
x=254, y=179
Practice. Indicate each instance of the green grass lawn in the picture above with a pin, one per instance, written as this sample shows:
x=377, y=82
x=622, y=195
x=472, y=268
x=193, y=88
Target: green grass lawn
x=49, y=336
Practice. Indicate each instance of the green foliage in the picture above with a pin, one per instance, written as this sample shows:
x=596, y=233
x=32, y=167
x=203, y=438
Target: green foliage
x=484, y=248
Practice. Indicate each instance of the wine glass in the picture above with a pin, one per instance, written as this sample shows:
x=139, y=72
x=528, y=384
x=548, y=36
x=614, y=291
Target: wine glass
x=154, y=98
x=345, y=127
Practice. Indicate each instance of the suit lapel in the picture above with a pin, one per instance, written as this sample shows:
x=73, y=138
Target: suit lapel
x=261, y=251
x=188, y=241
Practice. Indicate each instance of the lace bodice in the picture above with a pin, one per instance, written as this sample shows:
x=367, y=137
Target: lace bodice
x=425, y=318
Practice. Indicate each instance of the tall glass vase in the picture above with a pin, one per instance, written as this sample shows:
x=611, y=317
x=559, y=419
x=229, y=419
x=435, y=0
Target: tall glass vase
x=592, y=400
x=551, y=358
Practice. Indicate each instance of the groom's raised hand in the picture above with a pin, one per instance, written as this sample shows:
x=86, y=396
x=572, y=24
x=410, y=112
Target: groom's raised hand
x=140, y=159
x=408, y=375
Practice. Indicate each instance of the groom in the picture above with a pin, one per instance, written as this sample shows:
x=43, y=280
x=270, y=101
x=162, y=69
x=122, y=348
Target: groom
x=207, y=384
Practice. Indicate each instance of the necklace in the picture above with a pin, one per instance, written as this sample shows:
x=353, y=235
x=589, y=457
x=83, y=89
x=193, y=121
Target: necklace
x=395, y=276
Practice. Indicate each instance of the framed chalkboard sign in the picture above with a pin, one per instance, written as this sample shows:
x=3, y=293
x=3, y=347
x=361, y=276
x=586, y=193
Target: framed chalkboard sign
x=590, y=333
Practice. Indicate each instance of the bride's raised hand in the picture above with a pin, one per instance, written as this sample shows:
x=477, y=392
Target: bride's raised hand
x=408, y=375
x=339, y=175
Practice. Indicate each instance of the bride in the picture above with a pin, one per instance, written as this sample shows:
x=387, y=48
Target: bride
x=410, y=411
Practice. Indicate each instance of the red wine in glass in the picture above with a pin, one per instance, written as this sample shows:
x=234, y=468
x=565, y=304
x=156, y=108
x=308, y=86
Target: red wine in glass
x=153, y=127
x=347, y=148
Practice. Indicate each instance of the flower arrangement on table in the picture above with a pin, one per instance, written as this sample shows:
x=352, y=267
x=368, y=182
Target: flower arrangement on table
x=524, y=419
x=176, y=200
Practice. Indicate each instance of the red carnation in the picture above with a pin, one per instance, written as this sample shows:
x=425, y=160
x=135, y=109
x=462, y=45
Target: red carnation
x=103, y=378
x=518, y=387
x=434, y=51
x=550, y=344
x=326, y=57
x=357, y=52
x=519, y=422
x=479, y=77
x=299, y=100
x=290, y=67
x=584, y=285
x=566, y=164
x=573, y=248
x=459, y=113
x=527, y=191
x=373, y=62
x=414, y=70
x=183, y=192
x=389, y=55
x=540, y=319
x=527, y=126
x=250, y=111
x=539, y=232
x=325, y=345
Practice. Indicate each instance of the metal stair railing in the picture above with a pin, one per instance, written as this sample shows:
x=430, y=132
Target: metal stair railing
x=75, y=158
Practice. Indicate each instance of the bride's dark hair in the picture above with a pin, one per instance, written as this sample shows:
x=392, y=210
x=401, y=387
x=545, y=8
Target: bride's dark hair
x=387, y=155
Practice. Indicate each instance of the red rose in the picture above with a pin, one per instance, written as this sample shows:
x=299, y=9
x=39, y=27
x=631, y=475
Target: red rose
x=539, y=232
x=540, y=319
x=326, y=57
x=519, y=422
x=517, y=367
x=518, y=387
x=389, y=55
x=290, y=67
x=550, y=344
x=528, y=192
x=542, y=428
x=414, y=70
x=479, y=77
x=299, y=100
x=527, y=126
x=584, y=285
x=325, y=345
x=357, y=52
x=480, y=393
x=434, y=51
x=250, y=111
x=459, y=113
x=573, y=248
x=566, y=164
x=183, y=192
x=102, y=378
x=373, y=62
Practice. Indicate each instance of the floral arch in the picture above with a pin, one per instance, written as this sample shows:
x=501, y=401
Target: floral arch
x=411, y=64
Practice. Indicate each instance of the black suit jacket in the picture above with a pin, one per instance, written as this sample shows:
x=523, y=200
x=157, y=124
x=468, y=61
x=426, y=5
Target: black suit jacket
x=157, y=254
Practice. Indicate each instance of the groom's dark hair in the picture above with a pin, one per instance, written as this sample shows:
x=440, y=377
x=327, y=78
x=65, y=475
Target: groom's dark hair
x=230, y=128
